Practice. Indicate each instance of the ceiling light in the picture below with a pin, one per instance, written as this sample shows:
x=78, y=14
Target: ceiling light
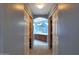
x=18, y=6
x=40, y=6
x=63, y=6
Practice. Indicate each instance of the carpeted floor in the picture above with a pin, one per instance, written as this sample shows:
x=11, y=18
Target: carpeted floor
x=40, y=50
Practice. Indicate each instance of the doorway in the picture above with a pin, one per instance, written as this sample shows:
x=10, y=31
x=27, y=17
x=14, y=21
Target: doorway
x=40, y=32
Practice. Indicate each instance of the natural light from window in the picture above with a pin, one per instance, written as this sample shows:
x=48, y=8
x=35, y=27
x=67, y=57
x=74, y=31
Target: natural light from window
x=40, y=26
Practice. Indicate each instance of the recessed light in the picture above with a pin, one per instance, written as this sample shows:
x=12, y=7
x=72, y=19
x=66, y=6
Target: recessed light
x=40, y=6
x=18, y=6
x=63, y=6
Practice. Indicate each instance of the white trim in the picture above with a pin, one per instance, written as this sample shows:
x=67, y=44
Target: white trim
x=53, y=10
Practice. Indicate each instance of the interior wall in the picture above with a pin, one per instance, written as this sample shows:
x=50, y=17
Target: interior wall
x=69, y=30
x=1, y=27
x=12, y=30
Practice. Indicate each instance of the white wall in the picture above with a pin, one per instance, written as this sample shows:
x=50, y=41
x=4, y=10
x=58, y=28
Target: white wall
x=69, y=30
x=1, y=28
x=12, y=31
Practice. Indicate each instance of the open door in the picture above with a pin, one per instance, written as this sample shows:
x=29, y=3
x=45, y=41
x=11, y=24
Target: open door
x=40, y=32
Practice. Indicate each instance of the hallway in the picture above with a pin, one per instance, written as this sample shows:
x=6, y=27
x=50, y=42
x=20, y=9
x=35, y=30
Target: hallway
x=40, y=50
x=39, y=29
x=40, y=43
x=63, y=29
x=37, y=43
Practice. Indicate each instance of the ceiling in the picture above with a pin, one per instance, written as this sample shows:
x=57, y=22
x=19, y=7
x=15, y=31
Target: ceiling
x=43, y=11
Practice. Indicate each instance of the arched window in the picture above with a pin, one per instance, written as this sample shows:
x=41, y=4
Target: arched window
x=40, y=26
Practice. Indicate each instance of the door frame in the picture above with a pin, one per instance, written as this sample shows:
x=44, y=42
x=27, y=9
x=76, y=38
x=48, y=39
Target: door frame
x=54, y=41
x=50, y=38
x=27, y=41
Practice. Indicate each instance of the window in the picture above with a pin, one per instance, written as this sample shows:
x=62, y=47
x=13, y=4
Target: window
x=40, y=26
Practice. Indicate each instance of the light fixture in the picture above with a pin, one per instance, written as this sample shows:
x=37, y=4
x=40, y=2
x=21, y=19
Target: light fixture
x=40, y=6
x=64, y=6
x=18, y=6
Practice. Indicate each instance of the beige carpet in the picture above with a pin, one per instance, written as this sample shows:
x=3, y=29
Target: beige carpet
x=40, y=50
